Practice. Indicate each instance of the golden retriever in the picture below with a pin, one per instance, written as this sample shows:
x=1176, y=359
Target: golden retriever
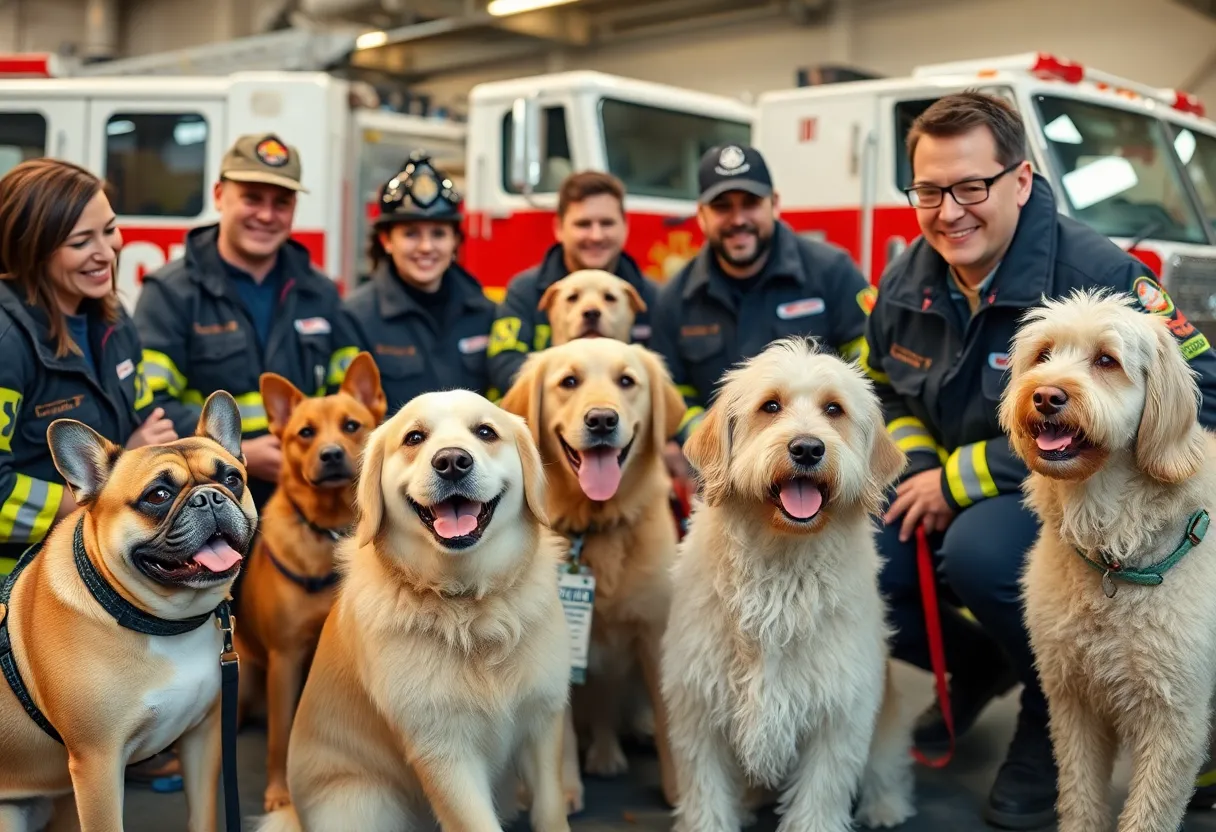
x=600, y=411
x=446, y=658
x=1102, y=407
x=775, y=665
x=591, y=303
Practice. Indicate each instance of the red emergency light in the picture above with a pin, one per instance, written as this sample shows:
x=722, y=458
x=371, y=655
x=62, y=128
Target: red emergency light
x=1188, y=103
x=28, y=64
x=1051, y=67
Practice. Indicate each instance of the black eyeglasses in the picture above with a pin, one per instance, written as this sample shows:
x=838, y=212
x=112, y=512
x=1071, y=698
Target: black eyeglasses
x=967, y=192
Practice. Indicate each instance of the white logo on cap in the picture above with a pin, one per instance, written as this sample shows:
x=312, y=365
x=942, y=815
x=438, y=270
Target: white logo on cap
x=732, y=162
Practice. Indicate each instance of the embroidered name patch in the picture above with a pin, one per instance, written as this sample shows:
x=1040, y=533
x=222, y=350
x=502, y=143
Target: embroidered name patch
x=57, y=407
x=640, y=332
x=998, y=360
x=125, y=368
x=912, y=359
x=472, y=344
x=801, y=308
x=312, y=326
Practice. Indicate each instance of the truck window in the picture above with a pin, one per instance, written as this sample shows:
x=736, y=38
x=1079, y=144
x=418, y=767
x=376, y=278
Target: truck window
x=656, y=151
x=1117, y=171
x=22, y=137
x=555, y=151
x=1197, y=152
x=157, y=163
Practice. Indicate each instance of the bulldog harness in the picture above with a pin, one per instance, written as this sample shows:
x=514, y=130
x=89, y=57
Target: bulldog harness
x=135, y=619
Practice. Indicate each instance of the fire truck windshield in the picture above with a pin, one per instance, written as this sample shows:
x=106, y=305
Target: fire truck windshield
x=1197, y=152
x=656, y=151
x=1118, y=171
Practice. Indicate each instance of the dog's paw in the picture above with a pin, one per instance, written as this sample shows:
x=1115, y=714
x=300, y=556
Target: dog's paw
x=884, y=811
x=606, y=759
x=275, y=797
x=574, y=797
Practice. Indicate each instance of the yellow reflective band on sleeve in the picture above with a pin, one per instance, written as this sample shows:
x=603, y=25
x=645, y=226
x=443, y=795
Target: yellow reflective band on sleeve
x=690, y=415
x=162, y=374
x=143, y=391
x=1194, y=346
x=910, y=434
x=30, y=509
x=7, y=565
x=504, y=336
x=494, y=395
x=540, y=338
x=863, y=360
x=253, y=412
x=338, y=362
x=852, y=350
x=686, y=391
x=968, y=476
x=1205, y=779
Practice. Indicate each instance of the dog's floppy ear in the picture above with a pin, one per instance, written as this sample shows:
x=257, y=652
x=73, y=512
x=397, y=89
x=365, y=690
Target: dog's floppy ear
x=887, y=462
x=635, y=300
x=220, y=422
x=550, y=295
x=524, y=396
x=84, y=457
x=370, y=494
x=1169, y=443
x=362, y=383
x=534, y=471
x=708, y=451
x=279, y=397
x=666, y=402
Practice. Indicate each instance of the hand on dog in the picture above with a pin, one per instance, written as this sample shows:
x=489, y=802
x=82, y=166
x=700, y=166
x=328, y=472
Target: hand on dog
x=919, y=499
x=156, y=430
x=263, y=457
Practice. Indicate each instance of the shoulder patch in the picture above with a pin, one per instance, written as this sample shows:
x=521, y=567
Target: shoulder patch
x=1151, y=297
x=10, y=403
x=866, y=299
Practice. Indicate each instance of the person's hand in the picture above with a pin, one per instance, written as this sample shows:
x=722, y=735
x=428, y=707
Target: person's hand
x=673, y=458
x=919, y=500
x=156, y=430
x=263, y=457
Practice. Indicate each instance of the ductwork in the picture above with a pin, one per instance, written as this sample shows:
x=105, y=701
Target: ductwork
x=100, y=30
x=321, y=9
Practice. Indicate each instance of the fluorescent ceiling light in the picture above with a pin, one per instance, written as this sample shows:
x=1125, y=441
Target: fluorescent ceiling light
x=502, y=8
x=370, y=40
x=1099, y=180
x=1063, y=131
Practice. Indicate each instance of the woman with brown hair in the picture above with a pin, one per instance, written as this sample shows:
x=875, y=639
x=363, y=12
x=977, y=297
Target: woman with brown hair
x=67, y=349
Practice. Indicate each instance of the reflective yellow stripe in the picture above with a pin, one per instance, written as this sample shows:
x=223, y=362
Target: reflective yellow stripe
x=1195, y=345
x=910, y=434
x=338, y=362
x=689, y=415
x=540, y=338
x=162, y=374
x=143, y=391
x=1207, y=778
x=253, y=412
x=968, y=476
x=504, y=336
x=863, y=360
x=29, y=510
x=6, y=566
x=852, y=350
x=686, y=391
x=494, y=395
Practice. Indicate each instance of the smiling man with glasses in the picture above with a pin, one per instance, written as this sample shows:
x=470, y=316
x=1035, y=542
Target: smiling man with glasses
x=992, y=246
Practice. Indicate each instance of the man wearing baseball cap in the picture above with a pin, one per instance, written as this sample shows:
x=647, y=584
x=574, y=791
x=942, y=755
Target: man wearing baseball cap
x=244, y=300
x=753, y=281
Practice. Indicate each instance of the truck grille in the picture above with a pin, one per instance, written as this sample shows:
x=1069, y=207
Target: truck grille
x=1191, y=281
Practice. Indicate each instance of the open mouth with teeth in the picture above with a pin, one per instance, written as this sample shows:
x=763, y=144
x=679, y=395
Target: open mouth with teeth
x=598, y=468
x=216, y=561
x=800, y=499
x=1058, y=442
x=457, y=522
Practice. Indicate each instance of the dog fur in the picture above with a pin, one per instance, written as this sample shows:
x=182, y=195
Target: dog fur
x=444, y=660
x=591, y=303
x=775, y=665
x=117, y=696
x=628, y=530
x=1135, y=670
x=322, y=439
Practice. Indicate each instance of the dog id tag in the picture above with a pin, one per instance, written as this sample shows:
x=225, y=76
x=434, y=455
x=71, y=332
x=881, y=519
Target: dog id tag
x=1108, y=585
x=577, y=593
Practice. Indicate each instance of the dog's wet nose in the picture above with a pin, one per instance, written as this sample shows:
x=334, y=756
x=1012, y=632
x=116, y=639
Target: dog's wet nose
x=806, y=450
x=332, y=454
x=1049, y=400
x=601, y=420
x=591, y=315
x=452, y=463
x=207, y=496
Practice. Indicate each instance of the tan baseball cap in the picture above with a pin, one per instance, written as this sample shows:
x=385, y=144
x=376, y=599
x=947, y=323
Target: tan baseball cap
x=263, y=157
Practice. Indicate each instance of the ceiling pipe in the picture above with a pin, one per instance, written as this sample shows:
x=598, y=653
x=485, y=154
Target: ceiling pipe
x=100, y=31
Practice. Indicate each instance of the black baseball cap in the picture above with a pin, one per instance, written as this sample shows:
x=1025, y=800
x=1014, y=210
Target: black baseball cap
x=733, y=167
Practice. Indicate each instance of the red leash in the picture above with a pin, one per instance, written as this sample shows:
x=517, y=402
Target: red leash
x=937, y=650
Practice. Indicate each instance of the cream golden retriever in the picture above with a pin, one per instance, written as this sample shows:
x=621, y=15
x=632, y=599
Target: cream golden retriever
x=1101, y=406
x=446, y=659
x=591, y=303
x=601, y=411
x=775, y=667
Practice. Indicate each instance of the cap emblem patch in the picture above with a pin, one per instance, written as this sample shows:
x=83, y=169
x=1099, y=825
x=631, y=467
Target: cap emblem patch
x=272, y=152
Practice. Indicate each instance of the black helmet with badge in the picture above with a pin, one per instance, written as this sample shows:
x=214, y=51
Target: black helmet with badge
x=419, y=192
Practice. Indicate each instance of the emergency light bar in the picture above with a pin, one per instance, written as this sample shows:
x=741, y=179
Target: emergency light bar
x=1051, y=68
x=30, y=65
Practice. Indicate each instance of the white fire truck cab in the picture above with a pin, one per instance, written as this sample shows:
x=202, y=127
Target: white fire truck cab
x=1136, y=163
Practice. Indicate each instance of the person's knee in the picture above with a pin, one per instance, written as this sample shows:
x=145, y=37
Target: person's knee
x=983, y=554
x=898, y=578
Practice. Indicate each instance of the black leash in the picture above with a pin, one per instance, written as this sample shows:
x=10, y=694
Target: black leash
x=133, y=618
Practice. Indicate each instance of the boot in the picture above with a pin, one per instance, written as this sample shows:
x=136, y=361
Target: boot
x=1024, y=793
x=971, y=691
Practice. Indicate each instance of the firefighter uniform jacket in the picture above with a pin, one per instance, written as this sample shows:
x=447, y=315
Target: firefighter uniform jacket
x=522, y=328
x=940, y=377
x=36, y=388
x=198, y=336
x=805, y=288
x=415, y=351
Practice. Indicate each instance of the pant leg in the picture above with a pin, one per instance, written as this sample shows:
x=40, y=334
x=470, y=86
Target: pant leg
x=983, y=554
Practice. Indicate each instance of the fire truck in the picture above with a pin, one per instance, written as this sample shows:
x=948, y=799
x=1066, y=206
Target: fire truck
x=158, y=137
x=1134, y=162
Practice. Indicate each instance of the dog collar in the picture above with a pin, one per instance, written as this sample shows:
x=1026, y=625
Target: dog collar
x=333, y=534
x=311, y=584
x=1113, y=570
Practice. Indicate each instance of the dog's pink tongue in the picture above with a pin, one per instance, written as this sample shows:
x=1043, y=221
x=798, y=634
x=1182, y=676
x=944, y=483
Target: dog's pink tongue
x=1053, y=439
x=217, y=556
x=600, y=473
x=801, y=498
x=454, y=519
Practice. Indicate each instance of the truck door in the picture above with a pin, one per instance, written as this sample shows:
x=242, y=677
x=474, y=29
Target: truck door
x=161, y=158
x=33, y=126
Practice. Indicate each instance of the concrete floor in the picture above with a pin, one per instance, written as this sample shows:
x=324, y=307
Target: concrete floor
x=948, y=800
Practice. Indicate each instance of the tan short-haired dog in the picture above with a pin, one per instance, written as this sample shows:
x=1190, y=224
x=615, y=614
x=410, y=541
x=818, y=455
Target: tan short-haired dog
x=1120, y=588
x=591, y=303
x=446, y=659
x=157, y=542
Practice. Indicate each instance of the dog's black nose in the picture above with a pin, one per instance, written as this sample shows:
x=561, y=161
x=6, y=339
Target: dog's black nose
x=332, y=454
x=601, y=420
x=591, y=315
x=207, y=496
x=806, y=450
x=1049, y=400
x=452, y=463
